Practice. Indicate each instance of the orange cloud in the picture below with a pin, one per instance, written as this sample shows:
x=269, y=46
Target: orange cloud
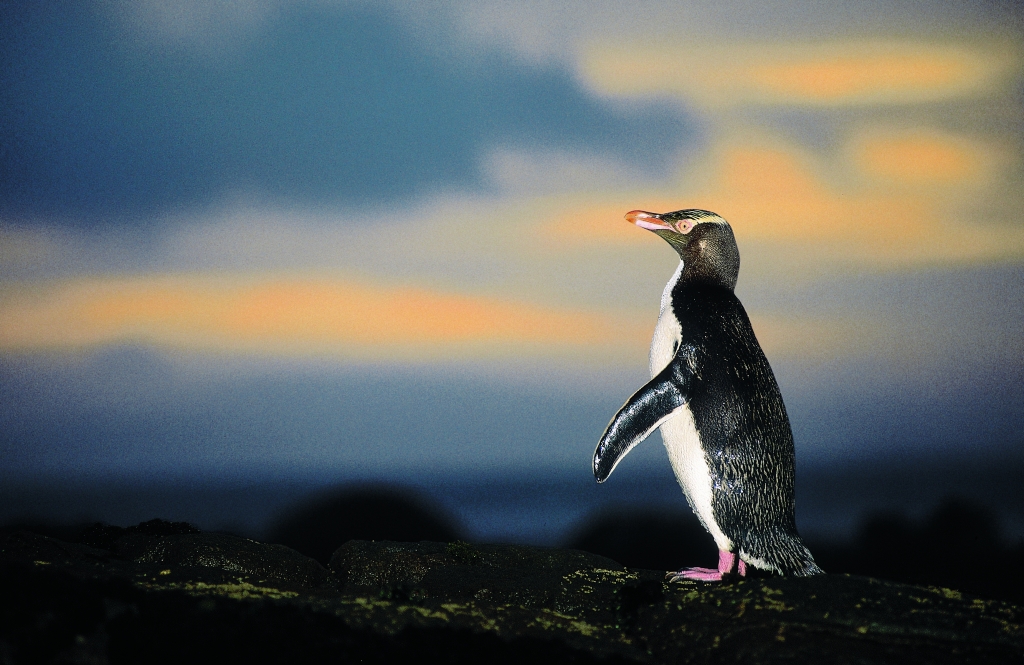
x=288, y=315
x=921, y=158
x=845, y=78
x=598, y=219
x=765, y=192
x=822, y=74
x=773, y=193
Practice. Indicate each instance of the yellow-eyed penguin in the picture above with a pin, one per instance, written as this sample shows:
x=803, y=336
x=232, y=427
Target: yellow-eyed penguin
x=716, y=400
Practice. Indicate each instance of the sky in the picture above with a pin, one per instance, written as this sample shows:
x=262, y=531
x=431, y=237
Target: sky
x=272, y=238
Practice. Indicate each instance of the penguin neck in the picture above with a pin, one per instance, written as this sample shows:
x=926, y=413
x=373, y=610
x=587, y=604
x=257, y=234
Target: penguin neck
x=685, y=279
x=702, y=274
x=699, y=289
x=693, y=298
x=666, y=295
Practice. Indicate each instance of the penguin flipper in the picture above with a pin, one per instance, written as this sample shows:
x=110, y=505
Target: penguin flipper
x=642, y=413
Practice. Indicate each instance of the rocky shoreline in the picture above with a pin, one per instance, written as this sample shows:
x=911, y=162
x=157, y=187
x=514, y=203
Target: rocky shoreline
x=165, y=592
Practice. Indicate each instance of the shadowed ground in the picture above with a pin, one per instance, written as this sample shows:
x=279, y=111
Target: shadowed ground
x=957, y=545
x=163, y=592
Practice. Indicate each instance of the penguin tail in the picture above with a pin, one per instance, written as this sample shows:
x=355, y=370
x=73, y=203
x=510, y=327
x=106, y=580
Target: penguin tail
x=809, y=566
x=787, y=555
x=810, y=569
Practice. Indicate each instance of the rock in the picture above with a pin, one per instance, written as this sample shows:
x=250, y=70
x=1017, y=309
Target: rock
x=163, y=595
x=654, y=539
x=234, y=558
x=495, y=574
x=328, y=521
x=165, y=554
x=105, y=536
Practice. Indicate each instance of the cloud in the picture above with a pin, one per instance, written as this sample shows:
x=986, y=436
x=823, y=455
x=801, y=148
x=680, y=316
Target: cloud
x=517, y=171
x=802, y=338
x=773, y=192
x=98, y=132
x=302, y=315
x=521, y=274
x=199, y=23
x=812, y=74
x=920, y=158
x=544, y=31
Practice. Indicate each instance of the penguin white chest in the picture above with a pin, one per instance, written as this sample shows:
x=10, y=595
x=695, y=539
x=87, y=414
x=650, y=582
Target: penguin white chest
x=667, y=334
x=679, y=433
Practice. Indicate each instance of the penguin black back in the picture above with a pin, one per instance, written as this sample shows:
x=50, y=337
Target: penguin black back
x=742, y=423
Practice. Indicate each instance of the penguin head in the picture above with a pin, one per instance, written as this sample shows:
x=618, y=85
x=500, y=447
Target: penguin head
x=703, y=240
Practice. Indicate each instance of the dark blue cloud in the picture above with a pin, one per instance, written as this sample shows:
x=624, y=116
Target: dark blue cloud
x=514, y=460
x=127, y=412
x=324, y=106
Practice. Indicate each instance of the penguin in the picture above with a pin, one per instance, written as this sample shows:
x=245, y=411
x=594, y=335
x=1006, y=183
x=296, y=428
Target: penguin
x=715, y=398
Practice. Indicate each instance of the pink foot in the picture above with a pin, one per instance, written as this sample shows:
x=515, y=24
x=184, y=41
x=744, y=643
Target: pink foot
x=728, y=564
x=702, y=574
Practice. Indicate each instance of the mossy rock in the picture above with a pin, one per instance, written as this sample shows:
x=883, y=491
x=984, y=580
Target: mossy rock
x=177, y=595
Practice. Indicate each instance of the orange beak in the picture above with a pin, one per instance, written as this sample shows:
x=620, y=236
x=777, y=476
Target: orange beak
x=648, y=220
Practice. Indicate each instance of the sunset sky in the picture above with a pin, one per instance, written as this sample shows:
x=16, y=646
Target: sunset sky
x=356, y=239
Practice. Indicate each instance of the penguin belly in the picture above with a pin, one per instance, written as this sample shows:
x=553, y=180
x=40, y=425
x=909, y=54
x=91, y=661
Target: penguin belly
x=686, y=456
x=679, y=433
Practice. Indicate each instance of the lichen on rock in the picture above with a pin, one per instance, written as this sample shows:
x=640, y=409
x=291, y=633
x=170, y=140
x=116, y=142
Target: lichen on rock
x=171, y=594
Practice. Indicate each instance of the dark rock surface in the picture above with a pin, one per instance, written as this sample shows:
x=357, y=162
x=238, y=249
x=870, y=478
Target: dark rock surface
x=657, y=539
x=326, y=522
x=161, y=592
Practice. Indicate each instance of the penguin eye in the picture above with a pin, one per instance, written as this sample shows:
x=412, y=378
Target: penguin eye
x=685, y=226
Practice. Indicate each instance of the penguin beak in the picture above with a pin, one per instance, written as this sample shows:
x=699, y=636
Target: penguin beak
x=649, y=220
